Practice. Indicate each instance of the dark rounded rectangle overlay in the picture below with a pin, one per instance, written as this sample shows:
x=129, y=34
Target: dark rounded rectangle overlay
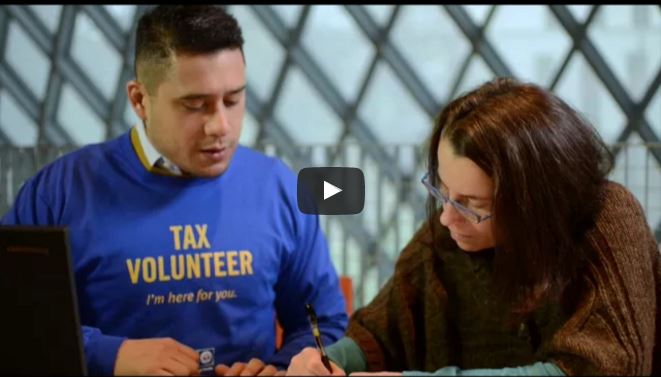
x=310, y=191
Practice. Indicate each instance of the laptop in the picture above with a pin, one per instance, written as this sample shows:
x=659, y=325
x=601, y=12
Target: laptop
x=39, y=319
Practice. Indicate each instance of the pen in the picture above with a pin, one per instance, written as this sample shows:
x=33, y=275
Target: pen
x=317, y=336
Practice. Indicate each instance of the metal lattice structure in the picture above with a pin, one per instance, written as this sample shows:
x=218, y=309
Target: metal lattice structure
x=397, y=181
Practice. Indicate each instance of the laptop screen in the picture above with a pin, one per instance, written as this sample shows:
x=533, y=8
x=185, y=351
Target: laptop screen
x=40, y=323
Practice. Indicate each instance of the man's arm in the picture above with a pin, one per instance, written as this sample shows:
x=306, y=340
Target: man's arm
x=100, y=351
x=32, y=208
x=307, y=275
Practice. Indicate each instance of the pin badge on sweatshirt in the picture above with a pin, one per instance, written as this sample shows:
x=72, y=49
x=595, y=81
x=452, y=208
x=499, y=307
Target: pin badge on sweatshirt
x=207, y=356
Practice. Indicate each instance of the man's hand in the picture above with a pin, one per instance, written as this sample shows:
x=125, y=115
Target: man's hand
x=158, y=356
x=308, y=363
x=254, y=367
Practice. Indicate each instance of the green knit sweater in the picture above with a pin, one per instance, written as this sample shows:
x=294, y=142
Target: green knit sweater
x=438, y=310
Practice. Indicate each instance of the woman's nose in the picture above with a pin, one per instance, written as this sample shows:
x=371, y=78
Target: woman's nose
x=450, y=215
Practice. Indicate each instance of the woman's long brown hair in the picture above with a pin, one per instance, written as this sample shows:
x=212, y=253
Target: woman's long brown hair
x=548, y=166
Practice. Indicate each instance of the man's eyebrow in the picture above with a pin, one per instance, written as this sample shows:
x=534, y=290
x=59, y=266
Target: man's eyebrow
x=474, y=197
x=195, y=96
x=238, y=90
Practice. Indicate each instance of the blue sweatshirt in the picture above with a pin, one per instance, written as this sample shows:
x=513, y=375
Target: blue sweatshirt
x=206, y=261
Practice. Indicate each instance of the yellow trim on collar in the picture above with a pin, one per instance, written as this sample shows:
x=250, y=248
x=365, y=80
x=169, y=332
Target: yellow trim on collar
x=135, y=140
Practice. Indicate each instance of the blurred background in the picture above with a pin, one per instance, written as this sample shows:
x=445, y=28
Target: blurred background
x=335, y=85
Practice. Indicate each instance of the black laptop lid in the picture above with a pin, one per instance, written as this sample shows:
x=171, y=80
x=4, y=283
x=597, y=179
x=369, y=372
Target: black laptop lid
x=39, y=313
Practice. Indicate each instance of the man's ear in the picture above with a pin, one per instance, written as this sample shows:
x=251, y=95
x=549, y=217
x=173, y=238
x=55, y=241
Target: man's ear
x=137, y=96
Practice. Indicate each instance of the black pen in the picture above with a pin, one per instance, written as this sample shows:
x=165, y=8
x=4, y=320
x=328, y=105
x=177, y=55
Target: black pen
x=317, y=336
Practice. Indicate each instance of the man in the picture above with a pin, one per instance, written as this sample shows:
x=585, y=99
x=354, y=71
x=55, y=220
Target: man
x=182, y=240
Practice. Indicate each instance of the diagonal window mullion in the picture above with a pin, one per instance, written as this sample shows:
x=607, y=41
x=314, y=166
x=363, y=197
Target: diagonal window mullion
x=464, y=66
x=33, y=26
x=17, y=88
x=594, y=59
x=602, y=70
x=4, y=25
x=459, y=15
x=331, y=95
x=290, y=39
x=119, y=103
x=105, y=22
x=351, y=112
x=277, y=134
x=400, y=66
x=638, y=117
x=581, y=33
x=351, y=224
x=4, y=140
x=76, y=76
x=647, y=98
x=50, y=129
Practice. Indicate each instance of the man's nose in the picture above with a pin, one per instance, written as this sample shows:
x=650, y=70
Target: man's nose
x=218, y=124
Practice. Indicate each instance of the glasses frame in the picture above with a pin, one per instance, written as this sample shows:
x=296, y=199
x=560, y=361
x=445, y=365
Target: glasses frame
x=466, y=212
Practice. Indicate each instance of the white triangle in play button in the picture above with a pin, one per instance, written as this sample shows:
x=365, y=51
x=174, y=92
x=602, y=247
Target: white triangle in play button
x=330, y=190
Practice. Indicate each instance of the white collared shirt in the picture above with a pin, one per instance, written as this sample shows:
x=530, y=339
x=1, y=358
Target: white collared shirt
x=154, y=158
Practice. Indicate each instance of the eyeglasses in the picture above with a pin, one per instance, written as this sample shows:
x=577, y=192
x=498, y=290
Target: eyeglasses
x=466, y=212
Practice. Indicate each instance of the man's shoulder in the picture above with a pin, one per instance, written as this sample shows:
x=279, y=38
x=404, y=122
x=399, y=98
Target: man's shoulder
x=73, y=160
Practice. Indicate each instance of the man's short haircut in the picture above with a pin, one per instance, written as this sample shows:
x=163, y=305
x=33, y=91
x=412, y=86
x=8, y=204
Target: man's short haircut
x=167, y=31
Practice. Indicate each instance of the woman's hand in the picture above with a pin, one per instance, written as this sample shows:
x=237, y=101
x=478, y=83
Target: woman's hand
x=308, y=363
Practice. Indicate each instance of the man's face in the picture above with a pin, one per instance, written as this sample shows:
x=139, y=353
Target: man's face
x=195, y=116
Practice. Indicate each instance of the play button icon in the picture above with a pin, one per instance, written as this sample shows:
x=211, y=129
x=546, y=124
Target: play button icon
x=331, y=191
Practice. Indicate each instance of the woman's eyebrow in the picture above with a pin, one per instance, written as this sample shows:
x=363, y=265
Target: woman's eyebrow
x=474, y=197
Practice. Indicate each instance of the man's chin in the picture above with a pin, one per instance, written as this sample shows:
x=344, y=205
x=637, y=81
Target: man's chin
x=210, y=172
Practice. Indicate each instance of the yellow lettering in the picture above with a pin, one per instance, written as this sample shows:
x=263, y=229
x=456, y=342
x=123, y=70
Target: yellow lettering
x=193, y=265
x=179, y=298
x=207, y=263
x=134, y=270
x=231, y=262
x=219, y=263
x=202, y=234
x=149, y=270
x=189, y=238
x=190, y=266
x=175, y=229
x=246, y=262
x=162, y=276
x=177, y=269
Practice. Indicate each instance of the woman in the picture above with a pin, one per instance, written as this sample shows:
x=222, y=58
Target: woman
x=534, y=264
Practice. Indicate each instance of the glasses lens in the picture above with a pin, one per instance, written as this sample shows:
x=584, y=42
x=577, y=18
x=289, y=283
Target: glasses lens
x=466, y=213
x=436, y=193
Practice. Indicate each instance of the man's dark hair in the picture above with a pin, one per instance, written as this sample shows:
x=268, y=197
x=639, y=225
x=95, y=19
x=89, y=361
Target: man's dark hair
x=166, y=31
